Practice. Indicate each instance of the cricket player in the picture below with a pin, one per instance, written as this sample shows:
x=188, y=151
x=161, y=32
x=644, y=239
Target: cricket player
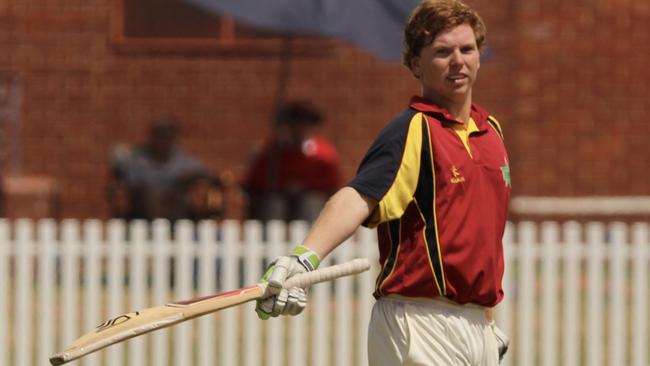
x=436, y=185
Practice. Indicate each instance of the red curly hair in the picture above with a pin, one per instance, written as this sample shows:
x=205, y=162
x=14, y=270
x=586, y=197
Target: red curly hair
x=432, y=17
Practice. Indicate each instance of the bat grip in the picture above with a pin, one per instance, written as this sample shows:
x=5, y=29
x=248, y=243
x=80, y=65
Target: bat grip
x=328, y=273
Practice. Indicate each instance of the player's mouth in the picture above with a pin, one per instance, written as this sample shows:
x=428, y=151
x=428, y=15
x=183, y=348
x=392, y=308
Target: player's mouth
x=457, y=79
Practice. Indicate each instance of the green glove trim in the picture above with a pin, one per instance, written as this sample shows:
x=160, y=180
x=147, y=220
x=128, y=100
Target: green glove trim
x=262, y=315
x=307, y=257
x=269, y=269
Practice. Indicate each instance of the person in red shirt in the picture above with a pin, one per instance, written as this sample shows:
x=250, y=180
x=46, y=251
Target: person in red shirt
x=436, y=185
x=292, y=175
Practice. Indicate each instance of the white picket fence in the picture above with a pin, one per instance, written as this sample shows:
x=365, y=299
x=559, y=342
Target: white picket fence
x=575, y=294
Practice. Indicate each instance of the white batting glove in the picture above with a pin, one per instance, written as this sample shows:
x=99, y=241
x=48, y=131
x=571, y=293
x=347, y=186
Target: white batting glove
x=502, y=339
x=286, y=301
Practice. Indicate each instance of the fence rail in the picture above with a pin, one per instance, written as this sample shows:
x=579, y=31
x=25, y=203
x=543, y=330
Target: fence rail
x=576, y=294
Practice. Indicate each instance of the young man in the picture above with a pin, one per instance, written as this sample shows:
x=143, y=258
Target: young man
x=436, y=184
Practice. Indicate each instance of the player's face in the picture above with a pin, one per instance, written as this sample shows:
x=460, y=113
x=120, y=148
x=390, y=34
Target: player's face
x=447, y=68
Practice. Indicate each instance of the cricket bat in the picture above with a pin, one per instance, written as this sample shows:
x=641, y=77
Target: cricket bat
x=131, y=325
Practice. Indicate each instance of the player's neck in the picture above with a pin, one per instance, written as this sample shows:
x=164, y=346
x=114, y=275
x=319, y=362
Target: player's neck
x=459, y=108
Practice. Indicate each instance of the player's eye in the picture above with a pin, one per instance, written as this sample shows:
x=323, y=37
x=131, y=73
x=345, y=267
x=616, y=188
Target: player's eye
x=468, y=49
x=442, y=52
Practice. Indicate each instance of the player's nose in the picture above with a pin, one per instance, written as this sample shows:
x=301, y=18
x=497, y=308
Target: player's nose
x=456, y=57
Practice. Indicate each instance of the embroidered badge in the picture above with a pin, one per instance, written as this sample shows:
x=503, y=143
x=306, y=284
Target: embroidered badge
x=505, y=172
x=456, y=177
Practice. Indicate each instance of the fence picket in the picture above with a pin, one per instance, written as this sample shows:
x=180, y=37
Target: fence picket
x=503, y=311
x=91, y=280
x=550, y=294
x=46, y=283
x=183, y=273
x=297, y=352
x=321, y=320
x=70, y=281
x=252, y=273
x=366, y=247
x=570, y=315
x=595, y=318
x=137, y=286
x=116, y=238
x=5, y=291
x=207, y=231
x=297, y=324
x=639, y=317
x=616, y=294
x=343, y=315
x=24, y=273
x=526, y=293
x=161, y=256
x=275, y=329
x=228, y=341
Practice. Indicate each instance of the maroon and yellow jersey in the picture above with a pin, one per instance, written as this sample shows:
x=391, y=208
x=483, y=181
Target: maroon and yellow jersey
x=441, y=211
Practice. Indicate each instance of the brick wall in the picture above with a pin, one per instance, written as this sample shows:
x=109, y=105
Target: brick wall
x=581, y=120
x=566, y=79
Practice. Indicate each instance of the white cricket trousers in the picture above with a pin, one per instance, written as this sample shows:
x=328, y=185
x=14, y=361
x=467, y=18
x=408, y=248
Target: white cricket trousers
x=429, y=332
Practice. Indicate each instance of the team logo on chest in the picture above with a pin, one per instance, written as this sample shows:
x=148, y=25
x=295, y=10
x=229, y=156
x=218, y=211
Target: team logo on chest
x=456, y=176
x=505, y=172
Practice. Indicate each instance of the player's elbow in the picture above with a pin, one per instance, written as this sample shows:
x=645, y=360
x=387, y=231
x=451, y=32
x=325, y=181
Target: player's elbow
x=348, y=199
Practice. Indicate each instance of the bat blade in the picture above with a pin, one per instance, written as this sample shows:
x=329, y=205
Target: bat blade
x=133, y=324
x=130, y=325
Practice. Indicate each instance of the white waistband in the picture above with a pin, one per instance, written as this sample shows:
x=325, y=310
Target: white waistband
x=441, y=302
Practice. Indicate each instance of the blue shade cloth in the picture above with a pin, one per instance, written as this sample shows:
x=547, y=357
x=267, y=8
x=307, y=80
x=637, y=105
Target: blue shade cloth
x=376, y=25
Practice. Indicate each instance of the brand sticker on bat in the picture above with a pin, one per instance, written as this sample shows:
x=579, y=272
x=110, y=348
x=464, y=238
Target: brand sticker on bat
x=115, y=321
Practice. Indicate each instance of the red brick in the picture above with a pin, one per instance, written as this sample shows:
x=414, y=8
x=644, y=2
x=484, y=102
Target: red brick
x=571, y=92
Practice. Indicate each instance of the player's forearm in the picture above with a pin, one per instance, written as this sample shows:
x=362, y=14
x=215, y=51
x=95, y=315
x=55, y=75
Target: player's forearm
x=338, y=220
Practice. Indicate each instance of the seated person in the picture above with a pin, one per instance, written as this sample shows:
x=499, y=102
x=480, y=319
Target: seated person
x=157, y=179
x=205, y=198
x=294, y=173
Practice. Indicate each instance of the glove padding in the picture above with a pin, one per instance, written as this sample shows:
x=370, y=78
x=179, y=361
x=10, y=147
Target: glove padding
x=502, y=340
x=286, y=301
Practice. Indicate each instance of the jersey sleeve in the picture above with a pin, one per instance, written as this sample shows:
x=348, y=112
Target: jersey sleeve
x=389, y=171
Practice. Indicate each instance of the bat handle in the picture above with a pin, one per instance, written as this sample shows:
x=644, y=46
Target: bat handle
x=328, y=273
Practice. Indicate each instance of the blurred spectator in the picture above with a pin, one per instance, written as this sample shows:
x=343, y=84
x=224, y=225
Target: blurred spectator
x=205, y=198
x=159, y=180
x=294, y=173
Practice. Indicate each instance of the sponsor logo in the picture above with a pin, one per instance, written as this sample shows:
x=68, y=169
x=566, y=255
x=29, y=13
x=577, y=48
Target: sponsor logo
x=456, y=177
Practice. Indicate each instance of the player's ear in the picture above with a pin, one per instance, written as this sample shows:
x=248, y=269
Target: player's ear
x=415, y=67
